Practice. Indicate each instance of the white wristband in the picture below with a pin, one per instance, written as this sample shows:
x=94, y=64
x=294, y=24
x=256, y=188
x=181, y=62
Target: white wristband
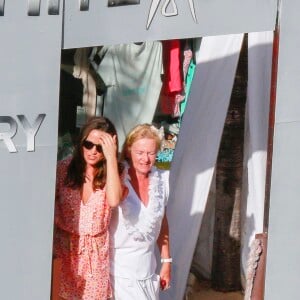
x=164, y=260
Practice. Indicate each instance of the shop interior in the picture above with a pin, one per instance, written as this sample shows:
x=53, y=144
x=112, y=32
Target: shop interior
x=150, y=82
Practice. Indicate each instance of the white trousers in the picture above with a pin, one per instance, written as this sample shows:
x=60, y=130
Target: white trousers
x=132, y=289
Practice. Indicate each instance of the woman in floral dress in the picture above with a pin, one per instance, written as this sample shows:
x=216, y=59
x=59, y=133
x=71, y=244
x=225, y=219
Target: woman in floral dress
x=88, y=186
x=140, y=221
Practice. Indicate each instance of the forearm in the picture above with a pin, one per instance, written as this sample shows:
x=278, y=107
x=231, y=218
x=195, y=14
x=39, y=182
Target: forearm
x=163, y=239
x=114, y=189
x=164, y=247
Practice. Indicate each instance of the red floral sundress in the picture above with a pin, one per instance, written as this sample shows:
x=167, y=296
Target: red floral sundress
x=81, y=241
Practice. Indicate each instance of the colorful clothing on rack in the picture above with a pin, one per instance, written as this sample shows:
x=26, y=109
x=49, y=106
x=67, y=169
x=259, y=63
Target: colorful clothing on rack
x=175, y=86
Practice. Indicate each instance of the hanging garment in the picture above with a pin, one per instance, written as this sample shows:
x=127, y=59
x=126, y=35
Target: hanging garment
x=186, y=69
x=176, y=86
x=172, y=67
x=172, y=89
x=189, y=70
x=82, y=71
x=132, y=74
x=70, y=96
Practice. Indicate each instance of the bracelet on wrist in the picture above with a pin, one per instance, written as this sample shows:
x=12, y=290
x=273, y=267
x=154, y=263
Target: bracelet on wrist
x=166, y=260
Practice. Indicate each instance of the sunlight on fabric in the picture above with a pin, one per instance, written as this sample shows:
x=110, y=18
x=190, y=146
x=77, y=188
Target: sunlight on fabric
x=228, y=48
x=201, y=188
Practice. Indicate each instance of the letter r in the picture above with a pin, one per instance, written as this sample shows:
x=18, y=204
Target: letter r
x=7, y=136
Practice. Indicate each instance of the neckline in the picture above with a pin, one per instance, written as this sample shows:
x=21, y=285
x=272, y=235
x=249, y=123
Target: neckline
x=137, y=196
x=145, y=231
x=88, y=199
x=151, y=185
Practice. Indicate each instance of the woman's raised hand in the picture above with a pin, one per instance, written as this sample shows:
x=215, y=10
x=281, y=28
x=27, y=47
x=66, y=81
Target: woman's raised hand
x=109, y=145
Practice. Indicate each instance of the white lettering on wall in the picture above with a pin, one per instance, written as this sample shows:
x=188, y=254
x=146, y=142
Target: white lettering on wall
x=30, y=131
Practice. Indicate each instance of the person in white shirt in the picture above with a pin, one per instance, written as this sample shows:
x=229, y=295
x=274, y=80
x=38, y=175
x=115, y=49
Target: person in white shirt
x=140, y=222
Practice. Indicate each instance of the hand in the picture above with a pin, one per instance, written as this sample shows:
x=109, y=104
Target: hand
x=109, y=145
x=165, y=276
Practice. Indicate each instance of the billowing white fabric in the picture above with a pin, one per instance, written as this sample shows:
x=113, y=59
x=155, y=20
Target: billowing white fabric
x=196, y=151
x=256, y=136
x=202, y=259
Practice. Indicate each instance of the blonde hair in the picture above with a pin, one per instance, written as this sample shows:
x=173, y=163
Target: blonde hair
x=140, y=131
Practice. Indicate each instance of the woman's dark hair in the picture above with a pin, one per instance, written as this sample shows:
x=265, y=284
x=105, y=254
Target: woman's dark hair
x=76, y=171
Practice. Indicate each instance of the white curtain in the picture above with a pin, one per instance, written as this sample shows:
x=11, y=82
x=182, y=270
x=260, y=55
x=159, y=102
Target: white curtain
x=256, y=135
x=196, y=150
x=255, y=151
